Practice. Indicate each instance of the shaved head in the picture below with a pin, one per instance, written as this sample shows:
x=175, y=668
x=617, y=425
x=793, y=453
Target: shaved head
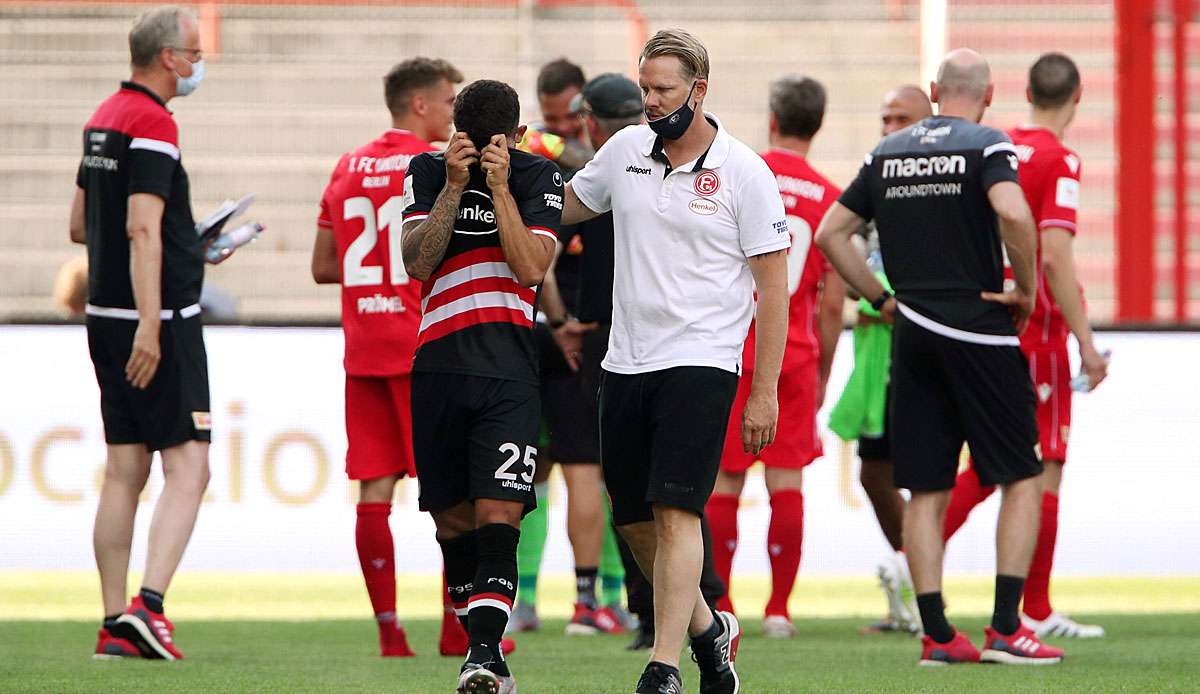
x=902, y=107
x=963, y=74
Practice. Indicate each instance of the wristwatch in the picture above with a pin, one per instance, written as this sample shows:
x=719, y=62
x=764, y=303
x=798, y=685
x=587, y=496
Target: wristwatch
x=878, y=303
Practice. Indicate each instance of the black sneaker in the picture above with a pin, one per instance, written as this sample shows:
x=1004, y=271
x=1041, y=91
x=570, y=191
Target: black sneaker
x=658, y=678
x=643, y=638
x=714, y=657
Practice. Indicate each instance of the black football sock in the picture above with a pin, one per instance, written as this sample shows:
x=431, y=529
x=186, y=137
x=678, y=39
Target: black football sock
x=495, y=588
x=933, y=617
x=110, y=620
x=585, y=586
x=1008, y=598
x=460, y=559
x=152, y=599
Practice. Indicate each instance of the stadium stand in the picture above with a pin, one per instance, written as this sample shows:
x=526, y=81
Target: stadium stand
x=294, y=85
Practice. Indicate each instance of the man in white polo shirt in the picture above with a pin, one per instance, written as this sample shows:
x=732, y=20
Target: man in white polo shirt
x=698, y=224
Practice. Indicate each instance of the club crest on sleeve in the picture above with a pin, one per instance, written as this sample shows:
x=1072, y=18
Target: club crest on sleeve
x=202, y=421
x=707, y=183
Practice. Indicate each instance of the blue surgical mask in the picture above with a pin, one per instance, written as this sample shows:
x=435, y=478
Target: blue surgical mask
x=673, y=125
x=187, y=85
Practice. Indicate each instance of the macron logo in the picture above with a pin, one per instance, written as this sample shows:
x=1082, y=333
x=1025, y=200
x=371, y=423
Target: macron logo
x=925, y=166
x=637, y=170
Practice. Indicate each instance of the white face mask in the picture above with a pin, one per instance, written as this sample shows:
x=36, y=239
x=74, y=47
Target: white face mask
x=187, y=85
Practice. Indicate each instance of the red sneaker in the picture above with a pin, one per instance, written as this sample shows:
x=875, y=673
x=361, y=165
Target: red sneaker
x=109, y=647
x=151, y=632
x=959, y=650
x=454, y=638
x=393, y=642
x=607, y=621
x=582, y=624
x=1022, y=647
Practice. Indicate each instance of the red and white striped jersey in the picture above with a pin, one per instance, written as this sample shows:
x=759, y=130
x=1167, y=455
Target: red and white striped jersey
x=363, y=204
x=806, y=196
x=477, y=319
x=1050, y=180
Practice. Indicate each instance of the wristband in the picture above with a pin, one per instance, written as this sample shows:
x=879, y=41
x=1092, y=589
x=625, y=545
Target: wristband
x=556, y=324
x=878, y=303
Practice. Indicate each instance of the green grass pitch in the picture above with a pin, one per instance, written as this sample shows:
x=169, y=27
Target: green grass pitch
x=45, y=647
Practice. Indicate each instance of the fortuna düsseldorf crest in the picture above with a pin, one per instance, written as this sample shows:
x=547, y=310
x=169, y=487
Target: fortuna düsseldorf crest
x=707, y=183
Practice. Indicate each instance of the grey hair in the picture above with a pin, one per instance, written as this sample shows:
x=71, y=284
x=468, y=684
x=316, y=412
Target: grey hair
x=611, y=126
x=155, y=29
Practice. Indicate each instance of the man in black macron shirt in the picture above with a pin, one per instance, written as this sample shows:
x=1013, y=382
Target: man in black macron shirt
x=480, y=229
x=146, y=267
x=943, y=194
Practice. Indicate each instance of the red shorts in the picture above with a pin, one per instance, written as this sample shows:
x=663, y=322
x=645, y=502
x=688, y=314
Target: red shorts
x=378, y=427
x=1050, y=369
x=797, y=441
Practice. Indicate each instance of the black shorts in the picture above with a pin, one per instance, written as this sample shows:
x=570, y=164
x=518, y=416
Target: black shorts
x=474, y=438
x=661, y=437
x=878, y=450
x=174, y=408
x=569, y=418
x=946, y=391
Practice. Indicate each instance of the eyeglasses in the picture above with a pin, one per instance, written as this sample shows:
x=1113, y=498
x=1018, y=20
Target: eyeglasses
x=197, y=54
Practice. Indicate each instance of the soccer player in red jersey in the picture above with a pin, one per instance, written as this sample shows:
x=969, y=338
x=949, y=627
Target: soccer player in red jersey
x=797, y=108
x=358, y=246
x=1049, y=175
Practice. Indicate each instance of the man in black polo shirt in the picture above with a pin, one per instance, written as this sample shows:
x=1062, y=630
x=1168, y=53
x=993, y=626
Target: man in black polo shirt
x=944, y=194
x=146, y=267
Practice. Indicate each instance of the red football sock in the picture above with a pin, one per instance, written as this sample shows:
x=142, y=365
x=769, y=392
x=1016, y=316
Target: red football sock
x=785, y=536
x=377, y=557
x=1037, y=585
x=968, y=493
x=722, y=524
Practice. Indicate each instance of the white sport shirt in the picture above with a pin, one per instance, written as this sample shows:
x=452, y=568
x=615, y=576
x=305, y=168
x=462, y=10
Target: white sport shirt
x=683, y=294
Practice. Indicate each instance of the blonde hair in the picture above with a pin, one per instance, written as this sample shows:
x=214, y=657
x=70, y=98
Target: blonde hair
x=692, y=55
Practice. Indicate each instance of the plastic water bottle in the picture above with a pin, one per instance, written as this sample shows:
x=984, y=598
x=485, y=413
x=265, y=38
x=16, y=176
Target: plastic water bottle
x=231, y=240
x=1081, y=383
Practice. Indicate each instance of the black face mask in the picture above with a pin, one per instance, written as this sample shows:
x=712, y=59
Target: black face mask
x=673, y=125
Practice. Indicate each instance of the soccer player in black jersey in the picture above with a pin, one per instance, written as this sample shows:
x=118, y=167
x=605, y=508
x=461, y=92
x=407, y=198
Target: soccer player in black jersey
x=146, y=266
x=944, y=194
x=480, y=230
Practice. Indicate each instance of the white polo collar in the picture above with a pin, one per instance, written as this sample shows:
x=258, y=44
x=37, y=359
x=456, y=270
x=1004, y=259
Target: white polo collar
x=716, y=154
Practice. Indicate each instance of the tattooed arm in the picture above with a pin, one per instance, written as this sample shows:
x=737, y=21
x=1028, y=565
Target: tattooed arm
x=424, y=241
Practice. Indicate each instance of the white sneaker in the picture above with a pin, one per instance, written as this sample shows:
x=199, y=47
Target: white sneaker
x=897, y=587
x=1058, y=624
x=475, y=679
x=778, y=627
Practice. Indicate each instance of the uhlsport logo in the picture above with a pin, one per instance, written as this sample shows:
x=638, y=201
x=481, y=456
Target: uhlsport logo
x=707, y=183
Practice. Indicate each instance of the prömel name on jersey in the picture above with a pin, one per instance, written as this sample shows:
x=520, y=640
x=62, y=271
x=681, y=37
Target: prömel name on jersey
x=380, y=304
x=925, y=166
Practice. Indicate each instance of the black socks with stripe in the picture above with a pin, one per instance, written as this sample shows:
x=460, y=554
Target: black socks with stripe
x=495, y=588
x=460, y=558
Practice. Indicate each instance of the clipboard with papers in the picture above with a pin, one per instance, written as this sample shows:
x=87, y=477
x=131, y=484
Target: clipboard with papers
x=210, y=227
